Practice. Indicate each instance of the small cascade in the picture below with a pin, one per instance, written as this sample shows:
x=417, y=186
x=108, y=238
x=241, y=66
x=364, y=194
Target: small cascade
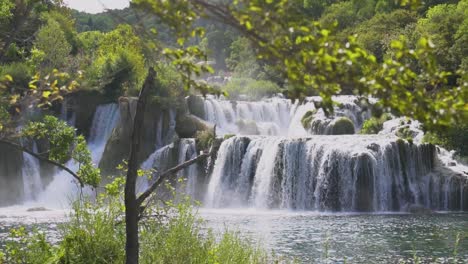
x=169, y=156
x=188, y=151
x=31, y=176
x=158, y=161
x=332, y=173
x=277, y=116
x=104, y=120
x=267, y=117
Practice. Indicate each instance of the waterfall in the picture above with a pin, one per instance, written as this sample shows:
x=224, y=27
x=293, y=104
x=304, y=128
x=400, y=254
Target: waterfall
x=164, y=158
x=276, y=116
x=332, y=173
x=104, y=120
x=188, y=151
x=31, y=176
x=63, y=187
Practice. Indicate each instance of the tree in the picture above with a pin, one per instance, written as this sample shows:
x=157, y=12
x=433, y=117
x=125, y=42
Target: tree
x=20, y=21
x=52, y=42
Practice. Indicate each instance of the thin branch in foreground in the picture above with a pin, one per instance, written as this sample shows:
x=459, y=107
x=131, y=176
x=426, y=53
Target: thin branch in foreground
x=38, y=156
x=168, y=173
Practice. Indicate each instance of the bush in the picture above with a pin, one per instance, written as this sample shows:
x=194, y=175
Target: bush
x=405, y=133
x=343, y=126
x=374, y=125
x=204, y=139
x=253, y=89
x=96, y=234
x=307, y=118
x=20, y=72
x=452, y=138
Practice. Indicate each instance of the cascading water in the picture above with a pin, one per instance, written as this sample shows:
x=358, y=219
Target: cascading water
x=331, y=173
x=31, y=175
x=275, y=116
x=64, y=187
x=104, y=120
x=307, y=170
x=164, y=158
x=188, y=151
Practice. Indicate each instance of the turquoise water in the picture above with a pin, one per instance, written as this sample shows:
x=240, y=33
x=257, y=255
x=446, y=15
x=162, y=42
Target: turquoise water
x=351, y=238
x=317, y=237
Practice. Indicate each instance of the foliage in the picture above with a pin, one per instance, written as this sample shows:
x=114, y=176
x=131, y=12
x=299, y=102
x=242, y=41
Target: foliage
x=250, y=88
x=307, y=118
x=119, y=66
x=52, y=42
x=204, y=139
x=453, y=138
x=63, y=145
x=20, y=73
x=375, y=124
x=311, y=59
x=171, y=232
x=242, y=60
x=25, y=246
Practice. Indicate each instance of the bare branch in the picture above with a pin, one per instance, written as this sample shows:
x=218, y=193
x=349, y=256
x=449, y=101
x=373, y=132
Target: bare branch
x=168, y=173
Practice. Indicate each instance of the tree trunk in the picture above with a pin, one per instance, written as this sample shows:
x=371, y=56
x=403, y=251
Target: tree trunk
x=131, y=204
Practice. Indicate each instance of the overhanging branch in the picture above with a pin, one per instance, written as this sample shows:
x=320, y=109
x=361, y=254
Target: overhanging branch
x=38, y=156
x=168, y=173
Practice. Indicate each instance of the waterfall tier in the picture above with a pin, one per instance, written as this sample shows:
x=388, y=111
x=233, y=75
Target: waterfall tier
x=332, y=173
x=277, y=116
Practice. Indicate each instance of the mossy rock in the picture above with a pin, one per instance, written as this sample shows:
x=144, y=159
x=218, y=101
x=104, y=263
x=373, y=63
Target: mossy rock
x=188, y=125
x=247, y=127
x=343, y=126
x=375, y=124
x=306, y=120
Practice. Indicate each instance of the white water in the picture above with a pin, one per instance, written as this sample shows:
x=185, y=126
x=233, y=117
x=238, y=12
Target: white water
x=64, y=187
x=162, y=159
x=31, y=176
x=332, y=173
x=305, y=170
x=104, y=121
x=274, y=116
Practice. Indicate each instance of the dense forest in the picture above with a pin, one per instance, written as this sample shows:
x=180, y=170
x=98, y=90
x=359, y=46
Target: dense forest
x=411, y=56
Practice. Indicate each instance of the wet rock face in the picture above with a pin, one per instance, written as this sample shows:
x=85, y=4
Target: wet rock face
x=11, y=182
x=159, y=127
x=83, y=104
x=196, y=106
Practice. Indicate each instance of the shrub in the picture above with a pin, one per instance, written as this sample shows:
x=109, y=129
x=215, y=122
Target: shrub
x=20, y=72
x=172, y=233
x=406, y=133
x=375, y=124
x=204, y=139
x=343, y=126
x=307, y=118
x=452, y=138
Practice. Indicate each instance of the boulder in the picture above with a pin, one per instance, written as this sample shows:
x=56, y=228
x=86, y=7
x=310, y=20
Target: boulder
x=196, y=106
x=188, y=125
x=342, y=126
